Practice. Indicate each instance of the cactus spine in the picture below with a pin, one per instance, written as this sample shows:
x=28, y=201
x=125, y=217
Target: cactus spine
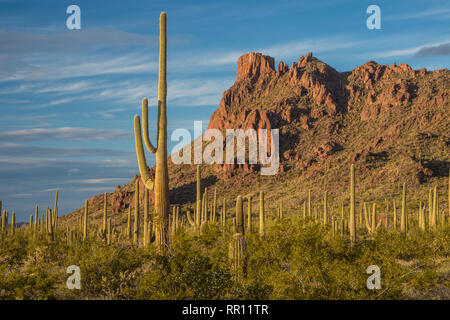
x=352, y=222
x=161, y=183
x=404, y=216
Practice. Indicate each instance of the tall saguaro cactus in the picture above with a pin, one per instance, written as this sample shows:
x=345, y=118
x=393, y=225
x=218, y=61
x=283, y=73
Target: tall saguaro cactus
x=261, y=214
x=136, y=215
x=352, y=217
x=404, y=216
x=238, y=247
x=161, y=183
x=105, y=215
x=85, y=220
x=199, y=198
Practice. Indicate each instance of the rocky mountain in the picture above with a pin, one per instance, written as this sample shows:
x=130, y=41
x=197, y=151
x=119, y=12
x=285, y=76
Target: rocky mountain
x=392, y=122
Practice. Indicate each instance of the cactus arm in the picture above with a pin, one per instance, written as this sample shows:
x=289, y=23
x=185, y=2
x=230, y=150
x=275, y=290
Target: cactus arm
x=146, y=137
x=190, y=219
x=148, y=182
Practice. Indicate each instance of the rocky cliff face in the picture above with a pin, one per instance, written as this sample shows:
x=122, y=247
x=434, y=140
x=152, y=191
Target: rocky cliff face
x=312, y=104
x=391, y=121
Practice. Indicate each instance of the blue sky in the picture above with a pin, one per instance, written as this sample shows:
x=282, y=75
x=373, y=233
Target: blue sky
x=67, y=97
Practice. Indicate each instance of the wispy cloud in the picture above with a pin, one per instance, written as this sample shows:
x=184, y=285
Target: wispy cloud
x=13, y=150
x=104, y=180
x=437, y=13
x=65, y=133
x=438, y=50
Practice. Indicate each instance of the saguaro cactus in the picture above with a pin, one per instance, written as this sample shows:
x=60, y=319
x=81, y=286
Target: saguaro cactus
x=238, y=247
x=13, y=223
x=374, y=220
x=404, y=216
x=55, y=212
x=161, y=183
x=136, y=214
x=146, y=233
x=129, y=223
x=261, y=214
x=224, y=213
x=309, y=204
x=249, y=213
x=325, y=208
x=105, y=215
x=108, y=232
x=352, y=222
x=434, y=216
x=85, y=220
x=199, y=198
x=395, y=215
x=213, y=218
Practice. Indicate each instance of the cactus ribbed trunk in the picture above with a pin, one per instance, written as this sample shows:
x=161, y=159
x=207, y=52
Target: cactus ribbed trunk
x=36, y=219
x=238, y=247
x=404, y=216
x=105, y=215
x=213, y=218
x=239, y=215
x=309, y=204
x=374, y=220
x=136, y=215
x=129, y=223
x=146, y=236
x=161, y=184
x=199, y=198
x=224, y=213
x=85, y=220
x=395, y=216
x=325, y=208
x=108, y=232
x=434, y=210
x=261, y=214
x=55, y=212
x=249, y=214
x=352, y=217
x=13, y=223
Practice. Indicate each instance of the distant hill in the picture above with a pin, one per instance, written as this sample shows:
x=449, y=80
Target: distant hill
x=392, y=122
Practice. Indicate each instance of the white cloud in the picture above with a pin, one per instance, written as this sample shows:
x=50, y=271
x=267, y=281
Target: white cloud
x=65, y=133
